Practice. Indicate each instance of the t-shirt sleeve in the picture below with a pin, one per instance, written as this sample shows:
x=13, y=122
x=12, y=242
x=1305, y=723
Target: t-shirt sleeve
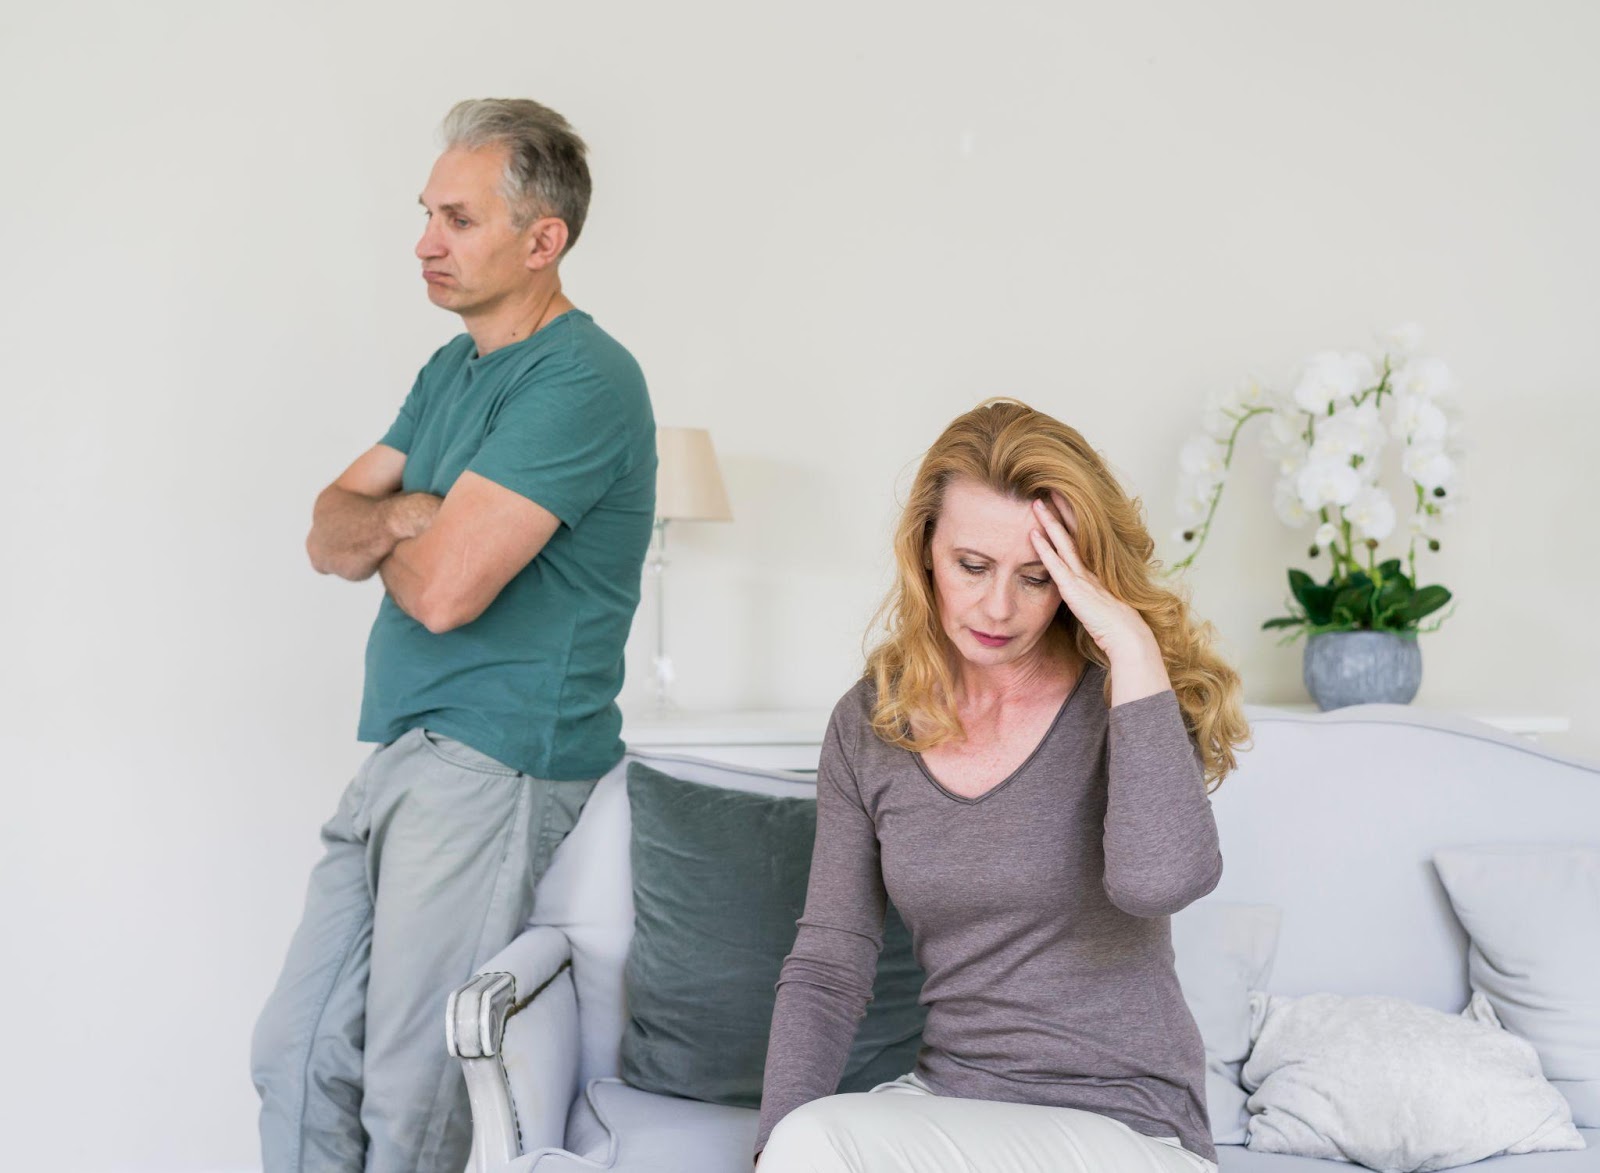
x=560, y=439
x=826, y=982
x=404, y=429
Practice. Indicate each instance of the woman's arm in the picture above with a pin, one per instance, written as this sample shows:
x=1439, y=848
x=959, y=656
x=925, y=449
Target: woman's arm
x=1160, y=837
x=826, y=982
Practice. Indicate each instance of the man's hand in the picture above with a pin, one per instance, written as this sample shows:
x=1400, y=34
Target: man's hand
x=360, y=518
x=483, y=536
x=410, y=514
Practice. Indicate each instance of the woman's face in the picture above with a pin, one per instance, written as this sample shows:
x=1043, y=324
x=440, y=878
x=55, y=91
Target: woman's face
x=995, y=597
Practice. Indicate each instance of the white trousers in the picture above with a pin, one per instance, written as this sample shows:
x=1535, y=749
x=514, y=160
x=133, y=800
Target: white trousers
x=903, y=1127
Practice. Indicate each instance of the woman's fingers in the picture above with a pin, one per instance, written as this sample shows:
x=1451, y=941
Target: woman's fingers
x=1060, y=536
x=1052, y=560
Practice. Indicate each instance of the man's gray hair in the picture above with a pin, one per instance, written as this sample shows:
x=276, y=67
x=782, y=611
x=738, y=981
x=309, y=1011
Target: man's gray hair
x=545, y=175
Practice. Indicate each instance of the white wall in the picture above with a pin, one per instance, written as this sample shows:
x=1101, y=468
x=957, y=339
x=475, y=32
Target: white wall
x=824, y=229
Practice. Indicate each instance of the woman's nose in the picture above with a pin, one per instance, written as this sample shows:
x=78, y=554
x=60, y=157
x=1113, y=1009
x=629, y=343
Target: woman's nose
x=999, y=600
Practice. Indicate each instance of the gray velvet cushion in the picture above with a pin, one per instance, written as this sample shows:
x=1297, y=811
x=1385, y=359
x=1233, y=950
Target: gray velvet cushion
x=719, y=879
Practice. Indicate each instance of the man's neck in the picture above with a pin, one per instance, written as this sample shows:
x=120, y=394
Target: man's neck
x=517, y=321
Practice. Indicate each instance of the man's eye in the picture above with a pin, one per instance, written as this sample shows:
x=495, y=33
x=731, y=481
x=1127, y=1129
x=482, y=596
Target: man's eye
x=460, y=223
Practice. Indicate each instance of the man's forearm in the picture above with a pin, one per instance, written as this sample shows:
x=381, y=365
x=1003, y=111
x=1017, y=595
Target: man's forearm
x=404, y=582
x=352, y=533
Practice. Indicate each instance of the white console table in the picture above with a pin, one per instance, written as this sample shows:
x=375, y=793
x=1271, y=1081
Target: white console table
x=769, y=739
x=791, y=739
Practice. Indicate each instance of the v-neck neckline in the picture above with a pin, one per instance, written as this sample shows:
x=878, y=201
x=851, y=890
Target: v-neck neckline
x=973, y=800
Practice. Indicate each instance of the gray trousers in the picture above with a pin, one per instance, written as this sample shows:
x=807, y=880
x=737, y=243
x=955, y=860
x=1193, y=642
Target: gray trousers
x=430, y=866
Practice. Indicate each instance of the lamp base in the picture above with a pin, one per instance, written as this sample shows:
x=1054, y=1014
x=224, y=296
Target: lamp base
x=665, y=675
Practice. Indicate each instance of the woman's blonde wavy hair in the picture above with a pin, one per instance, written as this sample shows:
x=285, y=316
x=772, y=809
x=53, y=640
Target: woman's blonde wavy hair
x=1022, y=453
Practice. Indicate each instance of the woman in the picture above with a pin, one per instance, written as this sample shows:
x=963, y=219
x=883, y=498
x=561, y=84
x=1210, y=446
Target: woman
x=1024, y=770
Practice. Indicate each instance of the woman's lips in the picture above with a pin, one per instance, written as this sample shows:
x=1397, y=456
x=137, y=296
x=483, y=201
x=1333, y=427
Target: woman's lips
x=990, y=641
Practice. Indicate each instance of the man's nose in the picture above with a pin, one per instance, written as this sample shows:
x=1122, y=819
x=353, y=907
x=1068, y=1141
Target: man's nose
x=431, y=243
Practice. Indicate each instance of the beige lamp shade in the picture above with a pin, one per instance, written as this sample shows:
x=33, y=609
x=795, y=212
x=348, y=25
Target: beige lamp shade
x=688, y=482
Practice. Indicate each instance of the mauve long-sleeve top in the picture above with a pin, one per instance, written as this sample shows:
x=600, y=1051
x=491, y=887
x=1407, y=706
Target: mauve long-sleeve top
x=1038, y=910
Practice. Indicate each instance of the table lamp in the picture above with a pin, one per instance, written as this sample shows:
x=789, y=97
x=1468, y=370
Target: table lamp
x=688, y=488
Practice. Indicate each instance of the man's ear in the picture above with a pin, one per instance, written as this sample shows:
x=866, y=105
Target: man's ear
x=547, y=240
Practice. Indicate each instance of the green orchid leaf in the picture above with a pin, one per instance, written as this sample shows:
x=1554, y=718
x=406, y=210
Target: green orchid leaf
x=1317, y=600
x=1425, y=602
x=1353, y=604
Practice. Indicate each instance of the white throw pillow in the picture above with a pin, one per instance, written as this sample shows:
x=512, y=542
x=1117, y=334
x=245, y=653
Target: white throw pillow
x=1223, y=951
x=1533, y=913
x=1394, y=1085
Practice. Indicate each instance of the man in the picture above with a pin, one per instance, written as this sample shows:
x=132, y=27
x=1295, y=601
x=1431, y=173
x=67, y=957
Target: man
x=507, y=511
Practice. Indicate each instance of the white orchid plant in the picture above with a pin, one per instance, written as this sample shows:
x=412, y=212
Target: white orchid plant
x=1326, y=437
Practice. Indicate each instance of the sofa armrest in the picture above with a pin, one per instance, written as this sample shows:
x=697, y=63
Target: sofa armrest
x=514, y=1026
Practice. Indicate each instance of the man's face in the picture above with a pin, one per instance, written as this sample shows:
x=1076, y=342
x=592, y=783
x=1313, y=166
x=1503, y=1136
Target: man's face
x=472, y=258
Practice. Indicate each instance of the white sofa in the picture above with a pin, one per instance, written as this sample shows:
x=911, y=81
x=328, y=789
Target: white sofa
x=1333, y=817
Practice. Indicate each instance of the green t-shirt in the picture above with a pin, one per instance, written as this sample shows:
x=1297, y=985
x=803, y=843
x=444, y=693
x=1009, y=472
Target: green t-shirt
x=564, y=419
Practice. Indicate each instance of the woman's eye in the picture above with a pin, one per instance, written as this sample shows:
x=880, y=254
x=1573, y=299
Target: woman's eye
x=1037, y=582
x=971, y=569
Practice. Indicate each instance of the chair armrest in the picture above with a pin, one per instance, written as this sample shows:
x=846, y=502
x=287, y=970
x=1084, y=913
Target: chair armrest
x=514, y=1026
x=477, y=1012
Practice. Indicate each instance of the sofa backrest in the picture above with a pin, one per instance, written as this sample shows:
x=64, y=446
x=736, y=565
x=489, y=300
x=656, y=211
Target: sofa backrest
x=1332, y=817
x=1335, y=816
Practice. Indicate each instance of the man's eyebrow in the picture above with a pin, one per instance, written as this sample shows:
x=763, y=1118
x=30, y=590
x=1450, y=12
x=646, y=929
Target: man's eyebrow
x=986, y=558
x=444, y=207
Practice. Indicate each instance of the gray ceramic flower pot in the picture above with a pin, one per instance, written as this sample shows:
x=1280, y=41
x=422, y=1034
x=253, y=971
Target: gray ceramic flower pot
x=1362, y=667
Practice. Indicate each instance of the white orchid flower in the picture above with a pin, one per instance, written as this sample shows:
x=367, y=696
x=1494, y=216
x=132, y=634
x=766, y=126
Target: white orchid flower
x=1402, y=341
x=1326, y=482
x=1218, y=425
x=1330, y=377
x=1283, y=435
x=1290, y=463
x=1419, y=419
x=1286, y=504
x=1202, y=456
x=1428, y=465
x=1338, y=439
x=1369, y=421
x=1427, y=377
x=1323, y=382
x=1194, y=500
x=1329, y=451
x=1372, y=513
